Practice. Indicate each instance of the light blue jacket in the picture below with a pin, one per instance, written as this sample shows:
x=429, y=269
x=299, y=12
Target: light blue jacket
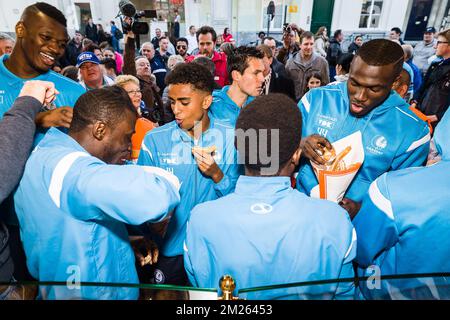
x=225, y=109
x=169, y=147
x=10, y=86
x=267, y=233
x=403, y=227
x=393, y=137
x=72, y=210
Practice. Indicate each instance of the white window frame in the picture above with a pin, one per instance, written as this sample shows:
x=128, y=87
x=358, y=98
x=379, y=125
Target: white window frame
x=264, y=15
x=367, y=27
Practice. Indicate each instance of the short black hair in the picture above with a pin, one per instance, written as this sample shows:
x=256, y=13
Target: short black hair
x=206, y=30
x=109, y=63
x=93, y=47
x=382, y=52
x=194, y=74
x=345, y=60
x=314, y=74
x=239, y=59
x=206, y=62
x=183, y=40
x=163, y=38
x=48, y=10
x=337, y=33
x=70, y=72
x=264, y=113
x=261, y=33
x=107, y=104
x=397, y=30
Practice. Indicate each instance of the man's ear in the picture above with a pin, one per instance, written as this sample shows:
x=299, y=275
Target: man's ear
x=296, y=156
x=235, y=75
x=207, y=102
x=402, y=90
x=20, y=29
x=399, y=77
x=99, y=130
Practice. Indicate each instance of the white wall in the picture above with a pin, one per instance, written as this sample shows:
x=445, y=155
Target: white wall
x=10, y=12
x=197, y=13
x=102, y=12
x=347, y=14
x=304, y=15
x=249, y=15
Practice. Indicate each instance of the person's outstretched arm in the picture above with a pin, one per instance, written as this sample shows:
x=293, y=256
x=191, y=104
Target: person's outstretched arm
x=17, y=130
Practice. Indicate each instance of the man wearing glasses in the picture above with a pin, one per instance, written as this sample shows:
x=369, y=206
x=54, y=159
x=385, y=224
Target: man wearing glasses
x=182, y=47
x=433, y=97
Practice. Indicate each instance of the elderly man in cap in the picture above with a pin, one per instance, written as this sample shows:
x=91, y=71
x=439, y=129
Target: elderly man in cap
x=425, y=49
x=91, y=74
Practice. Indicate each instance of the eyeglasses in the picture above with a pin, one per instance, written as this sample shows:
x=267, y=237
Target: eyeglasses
x=134, y=92
x=439, y=42
x=181, y=47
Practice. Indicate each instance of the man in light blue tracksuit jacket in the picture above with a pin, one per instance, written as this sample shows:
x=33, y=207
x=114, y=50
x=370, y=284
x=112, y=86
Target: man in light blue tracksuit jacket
x=403, y=228
x=32, y=59
x=393, y=136
x=73, y=201
x=204, y=175
x=245, y=69
x=266, y=232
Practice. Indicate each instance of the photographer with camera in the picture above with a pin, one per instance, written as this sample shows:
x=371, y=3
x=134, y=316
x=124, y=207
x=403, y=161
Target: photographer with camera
x=141, y=69
x=290, y=45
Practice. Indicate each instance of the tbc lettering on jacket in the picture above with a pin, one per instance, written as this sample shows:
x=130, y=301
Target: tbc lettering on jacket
x=325, y=124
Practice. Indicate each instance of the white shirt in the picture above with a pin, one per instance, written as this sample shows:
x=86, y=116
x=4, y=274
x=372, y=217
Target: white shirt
x=193, y=44
x=266, y=85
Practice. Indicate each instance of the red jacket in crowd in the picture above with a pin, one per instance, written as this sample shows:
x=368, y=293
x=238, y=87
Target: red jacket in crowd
x=227, y=37
x=220, y=61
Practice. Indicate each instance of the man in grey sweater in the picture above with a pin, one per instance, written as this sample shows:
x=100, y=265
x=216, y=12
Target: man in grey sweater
x=305, y=62
x=424, y=50
x=19, y=121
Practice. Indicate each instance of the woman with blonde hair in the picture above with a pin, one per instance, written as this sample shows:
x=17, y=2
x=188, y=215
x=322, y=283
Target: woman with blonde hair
x=131, y=85
x=173, y=61
x=321, y=41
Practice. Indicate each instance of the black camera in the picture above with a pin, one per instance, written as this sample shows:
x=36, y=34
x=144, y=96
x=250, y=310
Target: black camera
x=287, y=28
x=128, y=10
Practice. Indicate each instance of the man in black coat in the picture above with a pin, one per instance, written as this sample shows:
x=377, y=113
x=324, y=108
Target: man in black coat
x=433, y=98
x=91, y=31
x=73, y=50
x=276, y=80
x=334, y=51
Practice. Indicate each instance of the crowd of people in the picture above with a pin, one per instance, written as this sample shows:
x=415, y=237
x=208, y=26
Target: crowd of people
x=187, y=159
